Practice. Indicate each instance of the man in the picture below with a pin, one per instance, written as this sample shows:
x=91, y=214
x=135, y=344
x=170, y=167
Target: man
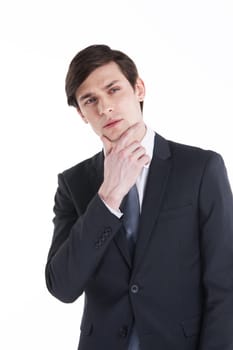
x=157, y=270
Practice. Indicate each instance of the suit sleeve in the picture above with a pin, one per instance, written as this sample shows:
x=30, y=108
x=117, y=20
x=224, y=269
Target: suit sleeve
x=216, y=220
x=78, y=245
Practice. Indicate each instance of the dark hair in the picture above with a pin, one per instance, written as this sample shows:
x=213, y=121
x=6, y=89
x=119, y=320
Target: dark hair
x=90, y=58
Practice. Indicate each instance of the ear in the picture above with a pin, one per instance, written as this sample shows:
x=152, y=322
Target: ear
x=82, y=116
x=140, y=90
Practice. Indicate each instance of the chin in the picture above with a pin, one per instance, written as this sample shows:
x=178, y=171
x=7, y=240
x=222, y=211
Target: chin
x=114, y=138
x=115, y=134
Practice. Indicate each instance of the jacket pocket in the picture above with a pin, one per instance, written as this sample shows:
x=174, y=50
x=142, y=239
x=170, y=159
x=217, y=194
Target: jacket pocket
x=192, y=326
x=174, y=213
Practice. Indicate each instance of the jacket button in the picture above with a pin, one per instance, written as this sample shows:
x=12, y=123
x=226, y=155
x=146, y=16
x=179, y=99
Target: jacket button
x=123, y=332
x=97, y=244
x=107, y=230
x=134, y=288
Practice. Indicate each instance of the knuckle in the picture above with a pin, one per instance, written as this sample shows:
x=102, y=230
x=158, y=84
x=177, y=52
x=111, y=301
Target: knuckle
x=122, y=154
x=143, y=150
x=130, y=158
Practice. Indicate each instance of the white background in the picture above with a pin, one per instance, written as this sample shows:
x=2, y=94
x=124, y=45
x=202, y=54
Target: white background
x=184, y=53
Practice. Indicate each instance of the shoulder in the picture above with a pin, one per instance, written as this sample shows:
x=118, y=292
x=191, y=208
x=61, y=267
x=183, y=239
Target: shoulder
x=186, y=158
x=192, y=164
x=84, y=168
x=192, y=154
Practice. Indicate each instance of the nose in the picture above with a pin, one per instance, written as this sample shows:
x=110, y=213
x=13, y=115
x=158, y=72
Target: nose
x=105, y=106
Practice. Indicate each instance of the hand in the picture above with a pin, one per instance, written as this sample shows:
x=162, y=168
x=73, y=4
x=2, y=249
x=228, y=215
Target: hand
x=123, y=163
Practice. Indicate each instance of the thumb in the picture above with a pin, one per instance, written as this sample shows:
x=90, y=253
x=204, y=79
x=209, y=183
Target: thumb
x=107, y=144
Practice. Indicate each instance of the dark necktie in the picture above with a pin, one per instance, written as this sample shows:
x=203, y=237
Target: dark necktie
x=131, y=211
x=131, y=214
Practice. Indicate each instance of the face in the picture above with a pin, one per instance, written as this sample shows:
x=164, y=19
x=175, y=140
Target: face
x=108, y=102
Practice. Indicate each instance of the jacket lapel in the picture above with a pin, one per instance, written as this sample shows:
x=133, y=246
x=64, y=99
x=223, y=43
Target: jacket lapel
x=155, y=188
x=123, y=246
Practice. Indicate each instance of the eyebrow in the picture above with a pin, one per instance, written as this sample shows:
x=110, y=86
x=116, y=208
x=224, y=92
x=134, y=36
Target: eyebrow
x=90, y=94
x=111, y=84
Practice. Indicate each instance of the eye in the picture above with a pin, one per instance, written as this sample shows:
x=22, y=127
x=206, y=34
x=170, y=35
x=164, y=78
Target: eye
x=114, y=89
x=90, y=100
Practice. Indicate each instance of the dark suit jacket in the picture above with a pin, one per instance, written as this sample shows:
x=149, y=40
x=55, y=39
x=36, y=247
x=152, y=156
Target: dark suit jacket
x=179, y=288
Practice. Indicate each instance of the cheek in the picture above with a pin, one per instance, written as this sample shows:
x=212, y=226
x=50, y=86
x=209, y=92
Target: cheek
x=96, y=129
x=88, y=117
x=126, y=106
x=84, y=119
x=131, y=102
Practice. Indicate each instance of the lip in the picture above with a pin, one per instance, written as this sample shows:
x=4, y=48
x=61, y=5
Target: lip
x=112, y=123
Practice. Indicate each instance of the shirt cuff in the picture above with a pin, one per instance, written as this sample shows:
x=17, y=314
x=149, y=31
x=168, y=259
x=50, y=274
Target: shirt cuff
x=115, y=212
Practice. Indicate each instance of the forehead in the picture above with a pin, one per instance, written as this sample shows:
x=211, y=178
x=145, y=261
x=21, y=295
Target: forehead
x=100, y=78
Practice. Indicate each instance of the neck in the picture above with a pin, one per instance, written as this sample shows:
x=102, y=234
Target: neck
x=141, y=133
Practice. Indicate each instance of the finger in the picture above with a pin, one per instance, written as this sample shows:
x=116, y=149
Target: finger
x=138, y=153
x=127, y=135
x=144, y=160
x=130, y=131
x=131, y=148
x=107, y=144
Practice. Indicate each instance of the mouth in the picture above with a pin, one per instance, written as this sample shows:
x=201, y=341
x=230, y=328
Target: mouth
x=112, y=123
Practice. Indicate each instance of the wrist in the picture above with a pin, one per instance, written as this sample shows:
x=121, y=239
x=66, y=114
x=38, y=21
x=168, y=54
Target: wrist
x=113, y=199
